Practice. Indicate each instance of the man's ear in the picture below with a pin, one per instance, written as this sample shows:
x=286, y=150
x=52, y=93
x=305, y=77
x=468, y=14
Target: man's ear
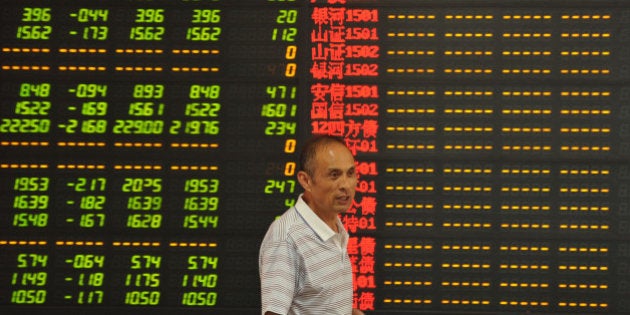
x=305, y=180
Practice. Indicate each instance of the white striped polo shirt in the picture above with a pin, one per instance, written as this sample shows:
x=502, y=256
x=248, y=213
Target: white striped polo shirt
x=302, y=269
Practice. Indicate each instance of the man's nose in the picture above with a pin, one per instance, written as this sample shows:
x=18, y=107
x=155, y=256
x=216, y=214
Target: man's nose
x=348, y=182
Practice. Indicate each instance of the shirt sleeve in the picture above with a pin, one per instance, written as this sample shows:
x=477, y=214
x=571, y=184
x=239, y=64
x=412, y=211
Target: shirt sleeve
x=278, y=274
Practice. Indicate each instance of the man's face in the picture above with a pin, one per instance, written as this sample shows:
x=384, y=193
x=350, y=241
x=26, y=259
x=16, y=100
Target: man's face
x=332, y=185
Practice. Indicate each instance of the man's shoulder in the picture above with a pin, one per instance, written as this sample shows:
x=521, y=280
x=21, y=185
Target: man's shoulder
x=286, y=226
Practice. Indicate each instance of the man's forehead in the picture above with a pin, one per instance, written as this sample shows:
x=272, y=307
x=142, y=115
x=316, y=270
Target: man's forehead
x=336, y=150
x=340, y=168
x=335, y=156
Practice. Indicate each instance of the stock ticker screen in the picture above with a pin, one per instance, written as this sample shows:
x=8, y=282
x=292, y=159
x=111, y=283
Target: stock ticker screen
x=146, y=146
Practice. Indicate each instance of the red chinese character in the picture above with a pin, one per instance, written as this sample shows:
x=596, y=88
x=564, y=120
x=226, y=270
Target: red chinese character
x=351, y=223
x=354, y=128
x=337, y=34
x=319, y=52
x=319, y=70
x=337, y=52
x=337, y=16
x=352, y=210
x=336, y=110
x=336, y=128
x=368, y=205
x=352, y=144
x=353, y=245
x=320, y=16
x=370, y=128
x=319, y=110
x=353, y=261
x=366, y=301
x=319, y=36
x=366, y=264
x=337, y=92
x=367, y=245
x=335, y=70
x=320, y=91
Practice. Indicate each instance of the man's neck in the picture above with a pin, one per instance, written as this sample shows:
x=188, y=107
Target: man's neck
x=330, y=220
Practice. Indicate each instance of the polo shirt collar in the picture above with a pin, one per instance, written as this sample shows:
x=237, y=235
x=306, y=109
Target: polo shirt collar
x=319, y=227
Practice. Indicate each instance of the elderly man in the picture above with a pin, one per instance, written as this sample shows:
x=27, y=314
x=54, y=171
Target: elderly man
x=304, y=264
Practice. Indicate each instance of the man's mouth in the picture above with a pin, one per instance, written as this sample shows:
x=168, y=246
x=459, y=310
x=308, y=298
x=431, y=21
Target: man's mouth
x=343, y=198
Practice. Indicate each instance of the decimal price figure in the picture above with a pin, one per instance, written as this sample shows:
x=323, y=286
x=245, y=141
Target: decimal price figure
x=201, y=204
x=90, y=200
x=93, y=107
x=29, y=279
x=144, y=112
x=35, y=24
x=205, y=108
x=86, y=17
x=31, y=111
x=205, y=28
x=148, y=25
x=143, y=202
x=30, y=201
x=88, y=278
x=145, y=280
x=201, y=280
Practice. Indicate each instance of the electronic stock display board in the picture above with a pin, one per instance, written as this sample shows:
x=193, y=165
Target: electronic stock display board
x=146, y=145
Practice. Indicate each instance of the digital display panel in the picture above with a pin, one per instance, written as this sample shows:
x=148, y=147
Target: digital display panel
x=146, y=146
